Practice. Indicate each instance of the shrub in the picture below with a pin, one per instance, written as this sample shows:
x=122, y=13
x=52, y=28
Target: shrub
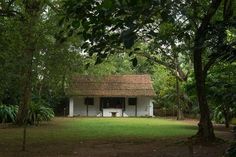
x=218, y=116
x=231, y=151
x=38, y=113
x=8, y=113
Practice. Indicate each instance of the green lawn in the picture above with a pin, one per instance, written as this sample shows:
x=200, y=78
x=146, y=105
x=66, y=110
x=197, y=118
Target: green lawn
x=70, y=129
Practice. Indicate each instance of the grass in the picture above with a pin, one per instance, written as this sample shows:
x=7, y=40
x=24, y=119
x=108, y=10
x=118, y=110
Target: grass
x=111, y=128
x=74, y=129
x=105, y=137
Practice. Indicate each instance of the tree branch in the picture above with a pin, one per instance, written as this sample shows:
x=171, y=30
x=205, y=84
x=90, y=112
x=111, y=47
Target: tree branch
x=181, y=75
x=207, y=18
x=176, y=72
x=208, y=66
x=53, y=7
x=11, y=13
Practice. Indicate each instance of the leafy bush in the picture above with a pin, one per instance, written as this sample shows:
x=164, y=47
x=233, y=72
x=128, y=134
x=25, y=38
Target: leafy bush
x=231, y=151
x=218, y=116
x=38, y=113
x=8, y=113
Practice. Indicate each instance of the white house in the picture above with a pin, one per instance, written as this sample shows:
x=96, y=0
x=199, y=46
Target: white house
x=111, y=96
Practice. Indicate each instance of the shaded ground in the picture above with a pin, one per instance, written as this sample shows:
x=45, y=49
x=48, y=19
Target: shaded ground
x=161, y=147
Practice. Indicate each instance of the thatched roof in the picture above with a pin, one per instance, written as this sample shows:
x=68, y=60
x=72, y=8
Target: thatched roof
x=113, y=85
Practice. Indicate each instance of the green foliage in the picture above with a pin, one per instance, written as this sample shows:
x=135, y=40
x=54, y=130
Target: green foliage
x=221, y=91
x=10, y=46
x=8, y=113
x=233, y=121
x=231, y=151
x=218, y=116
x=164, y=85
x=166, y=30
x=38, y=113
x=113, y=64
x=221, y=87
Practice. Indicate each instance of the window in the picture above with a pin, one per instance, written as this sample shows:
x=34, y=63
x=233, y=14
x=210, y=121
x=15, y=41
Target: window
x=112, y=102
x=89, y=101
x=132, y=101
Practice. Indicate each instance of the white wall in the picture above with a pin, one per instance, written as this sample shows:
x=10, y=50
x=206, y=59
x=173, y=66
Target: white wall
x=144, y=107
x=129, y=109
x=151, y=108
x=80, y=109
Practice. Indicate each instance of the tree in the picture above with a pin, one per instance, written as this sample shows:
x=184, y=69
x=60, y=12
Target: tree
x=205, y=126
x=29, y=16
x=123, y=20
x=221, y=84
x=34, y=40
x=174, y=56
x=31, y=44
x=9, y=72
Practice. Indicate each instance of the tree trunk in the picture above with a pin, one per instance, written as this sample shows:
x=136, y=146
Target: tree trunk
x=226, y=114
x=227, y=122
x=26, y=88
x=31, y=14
x=205, y=127
x=205, y=130
x=180, y=115
x=29, y=35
